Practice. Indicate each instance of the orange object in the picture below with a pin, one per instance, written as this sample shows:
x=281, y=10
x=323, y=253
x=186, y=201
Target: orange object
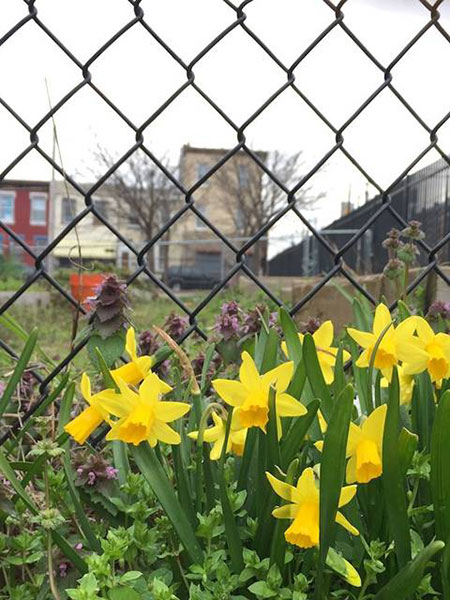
x=85, y=286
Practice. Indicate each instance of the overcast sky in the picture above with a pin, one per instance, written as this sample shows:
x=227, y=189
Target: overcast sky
x=138, y=75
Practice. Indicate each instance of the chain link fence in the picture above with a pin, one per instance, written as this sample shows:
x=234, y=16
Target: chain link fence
x=336, y=258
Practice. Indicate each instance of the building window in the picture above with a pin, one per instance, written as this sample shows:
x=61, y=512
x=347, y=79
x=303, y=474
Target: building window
x=40, y=242
x=243, y=176
x=16, y=250
x=102, y=207
x=68, y=210
x=199, y=224
x=202, y=169
x=7, y=207
x=241, y=220
x=38, y=209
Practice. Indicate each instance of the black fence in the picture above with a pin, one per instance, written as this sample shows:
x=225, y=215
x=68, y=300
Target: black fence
x=423, y=196
x=338, y=255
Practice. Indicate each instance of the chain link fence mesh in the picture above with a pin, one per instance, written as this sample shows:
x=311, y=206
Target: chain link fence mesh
x=336, y=256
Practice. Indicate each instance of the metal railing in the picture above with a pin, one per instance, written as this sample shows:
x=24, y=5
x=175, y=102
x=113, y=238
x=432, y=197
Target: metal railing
x=238, y=21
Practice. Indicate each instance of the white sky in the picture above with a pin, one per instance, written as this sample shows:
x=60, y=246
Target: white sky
x=138, y=75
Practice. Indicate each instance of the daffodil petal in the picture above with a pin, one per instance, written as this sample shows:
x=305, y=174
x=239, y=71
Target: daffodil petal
x=130, y=345
x=323, y=337
x=232, y=392
x=364, y=359
x=288, y=511
x=129, y=373
x=373, y=426
x=354, y=437
x=341, y=520
x=362, y=338
x=164, y=433
x=280, y=376
x=350, y=473
x=284, y=490
x=216, y=450
x=112, y=403
x=306, y=487
x=347, y=494
x=248, y=373
x=85, y=387
x=327, y=371
x=151, y=388
x=424, y=330
x=288, y=406
x=169, y=411
x=381, y=319
x=411, y=350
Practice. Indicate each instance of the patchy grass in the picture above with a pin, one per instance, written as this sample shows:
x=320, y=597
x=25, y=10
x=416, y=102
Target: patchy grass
x=56, y=320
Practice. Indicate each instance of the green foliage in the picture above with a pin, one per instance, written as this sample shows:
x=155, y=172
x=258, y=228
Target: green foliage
x=124, y=522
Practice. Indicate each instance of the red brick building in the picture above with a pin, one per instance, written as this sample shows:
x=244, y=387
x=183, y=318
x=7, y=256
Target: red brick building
x=24, y=208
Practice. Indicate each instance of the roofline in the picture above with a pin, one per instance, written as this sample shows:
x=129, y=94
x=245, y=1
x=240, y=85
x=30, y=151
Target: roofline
x=198, y=150
x=24, y=183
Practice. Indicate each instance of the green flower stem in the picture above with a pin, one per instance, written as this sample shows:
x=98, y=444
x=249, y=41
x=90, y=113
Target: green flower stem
x=51, y=576
x=371, y=365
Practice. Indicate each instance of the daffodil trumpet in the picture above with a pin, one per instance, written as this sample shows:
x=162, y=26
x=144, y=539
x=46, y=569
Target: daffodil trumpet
x=303, y=508
x=250, y=395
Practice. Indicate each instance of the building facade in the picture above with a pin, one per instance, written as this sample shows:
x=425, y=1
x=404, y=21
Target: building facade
x=25, y=210
x=192, y=242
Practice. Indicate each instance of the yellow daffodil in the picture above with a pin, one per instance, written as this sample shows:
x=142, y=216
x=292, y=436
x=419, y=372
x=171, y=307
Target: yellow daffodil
x=406, y=383
x=87, y=421
x=143, y=416
x=216, y=436
x=364, y=446
x=304, y=508
x=426, y=351
x=250, y=395
x=134, y=371
x=326, y=353
x=387, y=354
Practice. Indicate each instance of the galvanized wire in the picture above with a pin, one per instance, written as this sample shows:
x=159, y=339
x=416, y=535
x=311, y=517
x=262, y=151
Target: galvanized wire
x=138, y=19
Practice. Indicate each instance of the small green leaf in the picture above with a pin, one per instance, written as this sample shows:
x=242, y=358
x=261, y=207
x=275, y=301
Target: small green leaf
x=18, y=371
x=124, y=593
x=407, y=444
x=39, y=411
x=292, y=442
x=405, y=583
x=293, y=343
x=154, y=473
x=231, y=528
x=440, y=479
x=403, y=310
x=315, y=377
x=104, y=369
x=393, y=477
x=65, y=547
x=332, y=470
x=339, y=375
x=111, y=348
x=423, y=410
x=64, y=417
x=270, y=352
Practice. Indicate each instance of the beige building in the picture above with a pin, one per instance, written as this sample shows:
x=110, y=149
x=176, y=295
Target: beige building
x=98, y=243
x=192, y=243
